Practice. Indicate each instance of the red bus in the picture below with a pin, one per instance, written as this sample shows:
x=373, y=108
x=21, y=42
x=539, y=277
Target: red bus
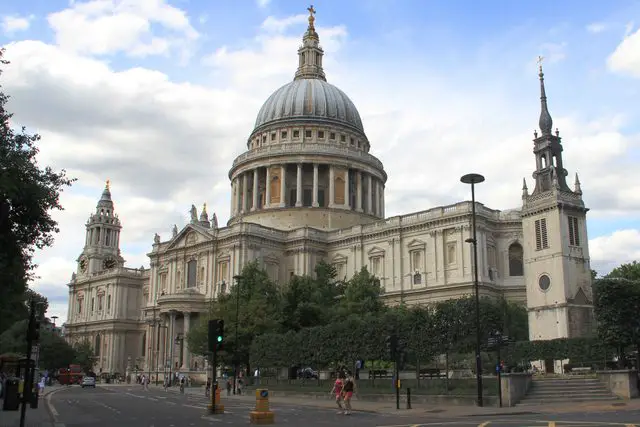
x=71, y=375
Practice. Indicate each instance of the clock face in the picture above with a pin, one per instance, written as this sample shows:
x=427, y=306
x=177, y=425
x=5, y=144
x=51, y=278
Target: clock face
x=83, y=265
x=109, y=263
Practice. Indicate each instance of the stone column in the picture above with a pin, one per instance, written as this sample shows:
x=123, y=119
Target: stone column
x=172, y=339
x=283, y=185
x=232, y=212
x=185, y=347
x=245, y=184
x=347, y=196
x=382, y=200
x=254, y=204
x=315, y=186
x=369, y=208
x=267, y=189
x=299, y=186
x=378, y=198
x=359, y=191
x=332, y=185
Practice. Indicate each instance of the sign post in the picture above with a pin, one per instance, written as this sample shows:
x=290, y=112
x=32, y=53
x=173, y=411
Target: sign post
x=262, y=414
x=215, y=341
x=497, y=340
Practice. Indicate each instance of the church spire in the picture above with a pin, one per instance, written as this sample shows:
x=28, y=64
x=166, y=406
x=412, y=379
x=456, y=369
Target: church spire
x=105, y=204
x=310, y=53
x=546, y=122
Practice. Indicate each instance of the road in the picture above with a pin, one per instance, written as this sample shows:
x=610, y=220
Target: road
x=133, y=407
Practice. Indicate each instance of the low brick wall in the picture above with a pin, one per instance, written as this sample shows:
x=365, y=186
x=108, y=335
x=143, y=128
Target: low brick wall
x=514, y=387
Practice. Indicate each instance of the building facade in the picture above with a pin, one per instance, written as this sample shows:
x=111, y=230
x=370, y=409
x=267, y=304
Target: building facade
x=307, y=189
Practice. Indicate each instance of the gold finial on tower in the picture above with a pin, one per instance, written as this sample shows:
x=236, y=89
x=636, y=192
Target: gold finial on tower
x=312, y=18
x=539, y=61
x=204, y=207
x=108, y=185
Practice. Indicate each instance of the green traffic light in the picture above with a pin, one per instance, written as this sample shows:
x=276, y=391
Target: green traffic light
x=219, y=338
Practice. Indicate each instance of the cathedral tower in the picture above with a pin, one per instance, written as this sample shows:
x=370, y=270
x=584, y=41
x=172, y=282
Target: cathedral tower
x=102, y=241
x=556, y=250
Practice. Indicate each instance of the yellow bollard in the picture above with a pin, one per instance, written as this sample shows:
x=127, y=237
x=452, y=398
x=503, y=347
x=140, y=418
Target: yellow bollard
x=262, y=414
x=216, y=407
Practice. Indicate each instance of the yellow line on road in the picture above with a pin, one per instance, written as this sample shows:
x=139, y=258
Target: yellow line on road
x=551, y=424
x=485, y=424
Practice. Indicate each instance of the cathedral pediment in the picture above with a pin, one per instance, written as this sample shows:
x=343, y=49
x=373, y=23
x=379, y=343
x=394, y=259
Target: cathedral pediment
x=339, y=259
x=190, y=235
x=375, y=251
x=417, y=244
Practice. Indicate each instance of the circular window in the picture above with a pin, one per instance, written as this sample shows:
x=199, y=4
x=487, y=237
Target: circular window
x=544, y=282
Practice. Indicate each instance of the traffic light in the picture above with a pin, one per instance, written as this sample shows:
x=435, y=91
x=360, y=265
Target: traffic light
x=391, y=344
x=35, y=333
x=216, y=335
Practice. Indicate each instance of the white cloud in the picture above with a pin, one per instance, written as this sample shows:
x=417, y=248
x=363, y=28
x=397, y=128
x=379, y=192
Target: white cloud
x=608, y=252
x=12, y=23
x=263, y=3
x=626, y=57
x=102, y=27
x=166, y=144
x=596, y=27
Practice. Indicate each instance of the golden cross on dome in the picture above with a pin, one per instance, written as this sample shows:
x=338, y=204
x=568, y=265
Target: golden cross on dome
x=539, y=61
x=311, y=10
x=108, y=184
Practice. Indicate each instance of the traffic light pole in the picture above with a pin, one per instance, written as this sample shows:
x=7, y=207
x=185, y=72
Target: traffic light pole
x=397, y=384
x=28, y=372
x=214, y=380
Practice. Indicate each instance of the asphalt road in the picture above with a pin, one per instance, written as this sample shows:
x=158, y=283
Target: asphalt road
x=134, y=407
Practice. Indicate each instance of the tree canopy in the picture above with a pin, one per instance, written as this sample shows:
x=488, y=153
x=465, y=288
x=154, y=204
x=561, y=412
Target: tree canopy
x=630, y=271
x=28, y=194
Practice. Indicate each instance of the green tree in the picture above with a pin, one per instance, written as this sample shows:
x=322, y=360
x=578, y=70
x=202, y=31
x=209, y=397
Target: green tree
x=256, y=301
x=55, y=352
x=28, y=194
x=594, y=275
x=307, y=301
x=616, y=306
x=84, y=355
x=629, y=271
x=361, y=296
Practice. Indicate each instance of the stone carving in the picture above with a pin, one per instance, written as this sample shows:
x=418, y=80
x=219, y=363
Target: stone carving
x=156, y=239
x=73, y=276
x=194, y=213
x=214, y=221
x=174, y=231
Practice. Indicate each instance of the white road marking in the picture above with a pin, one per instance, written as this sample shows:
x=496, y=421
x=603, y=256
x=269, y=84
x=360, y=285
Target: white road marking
x=135, y=395
x=151, y=398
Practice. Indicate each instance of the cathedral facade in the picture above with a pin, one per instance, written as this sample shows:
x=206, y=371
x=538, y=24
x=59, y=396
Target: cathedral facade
x=307, y=189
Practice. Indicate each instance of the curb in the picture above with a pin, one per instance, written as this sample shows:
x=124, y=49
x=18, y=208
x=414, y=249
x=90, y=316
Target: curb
x=53, y=414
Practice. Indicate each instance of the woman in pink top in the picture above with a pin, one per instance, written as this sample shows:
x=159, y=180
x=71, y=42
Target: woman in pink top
x=337, y=391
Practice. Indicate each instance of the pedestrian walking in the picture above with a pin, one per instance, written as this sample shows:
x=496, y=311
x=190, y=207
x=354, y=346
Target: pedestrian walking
x=207, y=390
x=337, y=392
x=348, y=389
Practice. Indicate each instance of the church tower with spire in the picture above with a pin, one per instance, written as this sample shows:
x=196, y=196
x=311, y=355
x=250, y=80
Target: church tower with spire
x=102, y=240
x=556, y=249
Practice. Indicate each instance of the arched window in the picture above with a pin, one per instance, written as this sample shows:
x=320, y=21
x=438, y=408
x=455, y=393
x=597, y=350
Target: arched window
x=97, y=345
x=516, y=265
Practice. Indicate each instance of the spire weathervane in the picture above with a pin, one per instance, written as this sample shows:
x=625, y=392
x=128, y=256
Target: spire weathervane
x=539, y=61
x=312, y=18
x=108, y=185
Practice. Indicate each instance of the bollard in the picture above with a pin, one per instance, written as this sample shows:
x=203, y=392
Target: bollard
x=408, y=398
x=262, y=414
x=215, y=407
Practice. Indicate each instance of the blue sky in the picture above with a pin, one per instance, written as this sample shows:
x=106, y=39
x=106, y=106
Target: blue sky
x=160, y=96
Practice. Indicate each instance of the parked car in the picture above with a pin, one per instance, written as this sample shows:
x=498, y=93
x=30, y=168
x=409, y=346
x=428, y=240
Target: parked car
x=307, y=373
x=88, y=382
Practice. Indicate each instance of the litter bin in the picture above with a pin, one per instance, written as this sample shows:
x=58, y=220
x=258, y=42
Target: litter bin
x=33, y=400
x=11, y=395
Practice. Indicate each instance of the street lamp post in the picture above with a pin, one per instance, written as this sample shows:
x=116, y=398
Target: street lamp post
x=473, y=179
x=238, y=280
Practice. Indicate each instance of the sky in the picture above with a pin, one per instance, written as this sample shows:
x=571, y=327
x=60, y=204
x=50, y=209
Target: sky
x=159, y=97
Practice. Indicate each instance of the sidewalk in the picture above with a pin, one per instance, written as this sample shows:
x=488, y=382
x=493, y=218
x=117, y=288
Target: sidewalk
x=39, y=417
x=444, y=411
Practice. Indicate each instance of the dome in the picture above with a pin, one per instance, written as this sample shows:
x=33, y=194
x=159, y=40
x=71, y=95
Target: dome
x=309, y=99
